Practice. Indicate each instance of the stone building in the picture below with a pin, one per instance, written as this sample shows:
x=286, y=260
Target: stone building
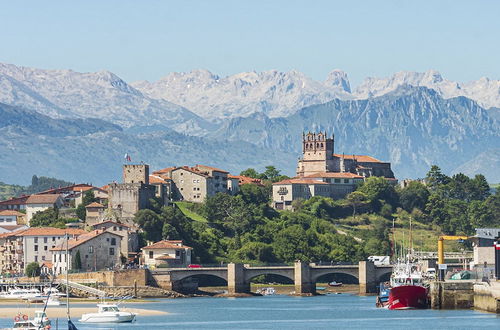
x=130, y=239
x=321, y=172
x=134, y=194
x=98, y=250
x=167, y=253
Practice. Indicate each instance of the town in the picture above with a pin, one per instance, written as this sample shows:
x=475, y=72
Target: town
x=115, y=228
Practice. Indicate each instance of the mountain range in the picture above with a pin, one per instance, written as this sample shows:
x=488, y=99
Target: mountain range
x=77, y=126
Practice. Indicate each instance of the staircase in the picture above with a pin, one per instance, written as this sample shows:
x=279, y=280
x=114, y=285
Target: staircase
x=81, y=287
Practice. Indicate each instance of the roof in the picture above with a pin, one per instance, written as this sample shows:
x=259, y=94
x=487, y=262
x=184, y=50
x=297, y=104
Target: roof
x=12, y=228
x=72, y=243
x=335, y=175
x=46, y=263
x=15, y=201
x=211, y=168
x=245, y=180
x=165, y=170
x=359, y=158
x=167, y=245
x=164, y=257
x=12, y=212
x=43, y=199
x=111, y=222
x=80, y=187
x=193, y=170
x=50, y=231
x=95, y=204
x=299, y=181
x=157, y=179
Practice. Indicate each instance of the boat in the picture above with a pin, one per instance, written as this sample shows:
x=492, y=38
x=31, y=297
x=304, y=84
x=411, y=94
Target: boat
x=334, y=283
x=40, y=321
x=54, y=301
x=383, y=295
x=406, y=287
x=267, y=291
x=108, y=313
x=16, y=293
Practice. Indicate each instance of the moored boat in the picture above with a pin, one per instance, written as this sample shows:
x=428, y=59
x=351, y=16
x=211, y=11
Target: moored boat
x=407, y=290
x=40, y=321
x=383, y=295
x=108, y=313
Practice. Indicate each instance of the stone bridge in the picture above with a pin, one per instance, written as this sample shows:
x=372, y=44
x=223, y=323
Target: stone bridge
x=304, y=275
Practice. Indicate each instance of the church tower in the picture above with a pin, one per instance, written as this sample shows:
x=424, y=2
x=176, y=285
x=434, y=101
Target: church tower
x=317, y=153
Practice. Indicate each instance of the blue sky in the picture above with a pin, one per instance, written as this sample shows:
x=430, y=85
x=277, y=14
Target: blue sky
x=148, y=39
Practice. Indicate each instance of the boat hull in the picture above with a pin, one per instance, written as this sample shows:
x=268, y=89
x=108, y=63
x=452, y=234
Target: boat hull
x=408, y=297
x=120, y=317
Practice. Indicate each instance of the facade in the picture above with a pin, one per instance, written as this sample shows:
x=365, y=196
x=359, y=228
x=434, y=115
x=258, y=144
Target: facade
x=100, y=194
x=38, y=203
x=130, y=239
x=94, y=212
x=98, y=250
x=12, y=217
x=163, y=185
x=134, y=194
x=167, y=253
x=15, y=203
x=321, y=172
x=484, y=250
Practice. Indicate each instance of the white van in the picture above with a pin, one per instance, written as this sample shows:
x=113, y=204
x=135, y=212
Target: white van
x=380, y=260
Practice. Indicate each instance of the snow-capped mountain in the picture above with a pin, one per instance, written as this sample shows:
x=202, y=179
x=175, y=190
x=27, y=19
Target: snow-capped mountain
x=273, y=93
x=103, y=95
x=484, y=91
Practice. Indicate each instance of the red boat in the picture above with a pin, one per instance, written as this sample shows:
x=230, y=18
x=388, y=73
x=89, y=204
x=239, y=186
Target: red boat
x=408, y=297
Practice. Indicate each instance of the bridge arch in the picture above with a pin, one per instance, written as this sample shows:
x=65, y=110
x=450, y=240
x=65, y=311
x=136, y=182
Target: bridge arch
x=317, y=273
x=384, y=274
x=185, y=275
x=252, y=273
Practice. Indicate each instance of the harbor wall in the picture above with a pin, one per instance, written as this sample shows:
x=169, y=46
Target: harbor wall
x=487, y=296
x=452, y=295
x=125, y=277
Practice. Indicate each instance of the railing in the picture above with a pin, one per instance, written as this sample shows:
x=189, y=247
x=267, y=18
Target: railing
x=447, y=255
x=82, y=287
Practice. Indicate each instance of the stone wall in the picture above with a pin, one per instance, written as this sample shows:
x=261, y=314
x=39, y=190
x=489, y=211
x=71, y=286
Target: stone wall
x=487, y=297
x=452, y=295
x=124, y=277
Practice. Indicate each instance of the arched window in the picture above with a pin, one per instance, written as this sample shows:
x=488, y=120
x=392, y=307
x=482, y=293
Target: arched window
x=321, y=145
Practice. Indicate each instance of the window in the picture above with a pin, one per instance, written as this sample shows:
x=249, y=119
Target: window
x=45, y=248
x=120, y=228
x=114, y=228
x=43, y=258
x=36, y=258
x=60, y=258
x=91, y=249
x=177, y=253
x=194, y=188
x=194, y=181
x=337, y=180
x=86, y=256
x=113, y=241
x=346, y=180
x=111, y=251
x=45, y=239
x=150, y=254
x=36, y=240
x=53, y=239
x=36, y=248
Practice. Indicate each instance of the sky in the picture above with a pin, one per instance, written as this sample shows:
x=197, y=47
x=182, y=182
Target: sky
x=145, y=40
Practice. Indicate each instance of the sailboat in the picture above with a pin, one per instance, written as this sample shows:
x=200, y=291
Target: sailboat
x=71, y=325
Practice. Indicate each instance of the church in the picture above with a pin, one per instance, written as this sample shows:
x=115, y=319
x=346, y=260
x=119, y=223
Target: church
x=322, y=172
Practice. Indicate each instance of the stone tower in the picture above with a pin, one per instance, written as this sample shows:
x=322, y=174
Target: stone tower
x=317, y=153
x=136, y=173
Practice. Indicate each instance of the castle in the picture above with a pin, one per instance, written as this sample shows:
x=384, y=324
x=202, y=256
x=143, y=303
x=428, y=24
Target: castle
x=321, y=172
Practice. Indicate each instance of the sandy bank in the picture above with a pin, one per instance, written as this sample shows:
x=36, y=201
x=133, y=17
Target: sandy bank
x=76, y=312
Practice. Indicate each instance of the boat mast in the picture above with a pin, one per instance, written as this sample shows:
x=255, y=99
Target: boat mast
x=67, y=277
x=410, y=243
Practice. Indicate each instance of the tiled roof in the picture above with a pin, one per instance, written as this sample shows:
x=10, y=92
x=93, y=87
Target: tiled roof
x=167, y=245
x=346, y=175
x=194, y=171
x=43, y=199
x=212, y=168
x=13, y=233
x=165, y=170
x=72, y=243
x=299, y=181
x=15, y=201
x=245, y=180
x=12, y=212
x=156, y=179
x=49, y=231
x=164, y=257
x=95, y=204
x=46, y=263
x=12, y=228
x=111, y=222
x=359, y=158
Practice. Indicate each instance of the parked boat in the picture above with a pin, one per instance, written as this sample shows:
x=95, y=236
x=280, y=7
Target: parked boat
x=334, y=283
x=16, y=293
x=267, y=291
x=407, y=290
x=108, y=313
x=54, y=301
x=383, y=295
x=40, y=321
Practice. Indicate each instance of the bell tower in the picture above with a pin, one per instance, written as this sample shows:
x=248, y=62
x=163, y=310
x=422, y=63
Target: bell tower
x=317, y=146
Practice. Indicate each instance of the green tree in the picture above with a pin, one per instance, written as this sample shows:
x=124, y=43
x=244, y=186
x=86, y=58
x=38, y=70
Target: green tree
x=480, y=188
x=150, y=223
x=250, y=172
x=378, y=189
x=81, y=212
x=415, y=195
x=435, y=178
x=33, y=269
x=290, y=244
x=480, y=215
x=77, y=261
x=356, y=199
x=45, y=218
x=254, y=194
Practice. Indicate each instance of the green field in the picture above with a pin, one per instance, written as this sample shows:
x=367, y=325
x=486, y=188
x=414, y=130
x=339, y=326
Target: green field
x=183, y=206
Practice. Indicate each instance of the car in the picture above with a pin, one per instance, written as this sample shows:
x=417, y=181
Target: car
x=194, y=266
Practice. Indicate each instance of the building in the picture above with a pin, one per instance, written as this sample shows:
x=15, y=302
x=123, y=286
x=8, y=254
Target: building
x=241, y=180
x=94, y=213
x=134, y=194
x=321, y=172
x=14, y=203
x=130, y=239
x=12, y=217
x=98, y=250
x=167, y=253
x=484, y=250
x=38, y=203
x=163, y=186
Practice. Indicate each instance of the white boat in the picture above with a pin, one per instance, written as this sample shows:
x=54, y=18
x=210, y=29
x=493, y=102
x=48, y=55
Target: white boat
x=108, y=313
x=16, y=293
x=267, y=291
x=54, y=301
x=40, y=321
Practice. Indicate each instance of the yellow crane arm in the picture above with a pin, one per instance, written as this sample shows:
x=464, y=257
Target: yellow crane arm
x=441, y=245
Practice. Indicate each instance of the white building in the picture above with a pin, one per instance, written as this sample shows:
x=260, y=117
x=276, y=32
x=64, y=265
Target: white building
x=38, y=203
x=167, y=253
x=98, y=250
x=12, y=217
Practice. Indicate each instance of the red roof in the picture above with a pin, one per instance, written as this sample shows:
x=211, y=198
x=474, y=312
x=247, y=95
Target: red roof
x=111, y=222
x=49, y=231
x=211, y=168
x=12, y=228
x=156, y=179
x=165, y=170
x=95, y=204
x=164, y=257
x=299, y=181
x=346, y=175
x=246, y=180
x=359, y=158
x=46, y=263
x=72, y=243
x=167, y=245
x=43, y=199
x=15, y=201
x=11, y=212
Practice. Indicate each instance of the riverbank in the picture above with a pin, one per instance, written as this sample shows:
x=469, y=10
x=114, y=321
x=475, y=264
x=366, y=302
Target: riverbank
x=76, y=312
x=285, y=289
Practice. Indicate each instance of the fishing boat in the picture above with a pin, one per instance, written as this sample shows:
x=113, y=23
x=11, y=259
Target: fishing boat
x=40, y=321
x=383, y=295
x=407, y=290
x=108, y=313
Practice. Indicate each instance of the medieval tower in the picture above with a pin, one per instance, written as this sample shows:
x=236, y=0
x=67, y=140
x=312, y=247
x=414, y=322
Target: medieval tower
x=317, y=153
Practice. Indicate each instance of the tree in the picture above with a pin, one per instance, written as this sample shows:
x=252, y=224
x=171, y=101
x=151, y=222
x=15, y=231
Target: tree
x=250, y=172
x=378, y=189
x=81, y=212
x=435, y=178
x=356, y=199
x=150, y=222
x=271, y=173
x=254, y=194
x=480, y=215
x=415, y=195
x=480, y=188
x=45, y=218
x=77, y=261
x=290, y=244
x=33, y=269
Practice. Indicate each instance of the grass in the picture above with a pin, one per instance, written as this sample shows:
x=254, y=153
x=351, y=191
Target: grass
x=183, y=206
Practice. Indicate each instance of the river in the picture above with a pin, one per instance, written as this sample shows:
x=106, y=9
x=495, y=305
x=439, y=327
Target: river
x=343, y=311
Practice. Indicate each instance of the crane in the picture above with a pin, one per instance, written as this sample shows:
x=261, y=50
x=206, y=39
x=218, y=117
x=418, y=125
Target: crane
x=441, y=244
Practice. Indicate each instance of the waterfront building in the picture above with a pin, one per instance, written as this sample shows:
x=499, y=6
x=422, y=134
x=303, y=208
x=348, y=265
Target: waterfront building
x=167, y=253
x=484, y=250
x=98, y=250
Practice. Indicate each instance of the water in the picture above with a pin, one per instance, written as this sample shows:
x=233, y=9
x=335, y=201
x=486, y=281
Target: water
x=284, y=312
